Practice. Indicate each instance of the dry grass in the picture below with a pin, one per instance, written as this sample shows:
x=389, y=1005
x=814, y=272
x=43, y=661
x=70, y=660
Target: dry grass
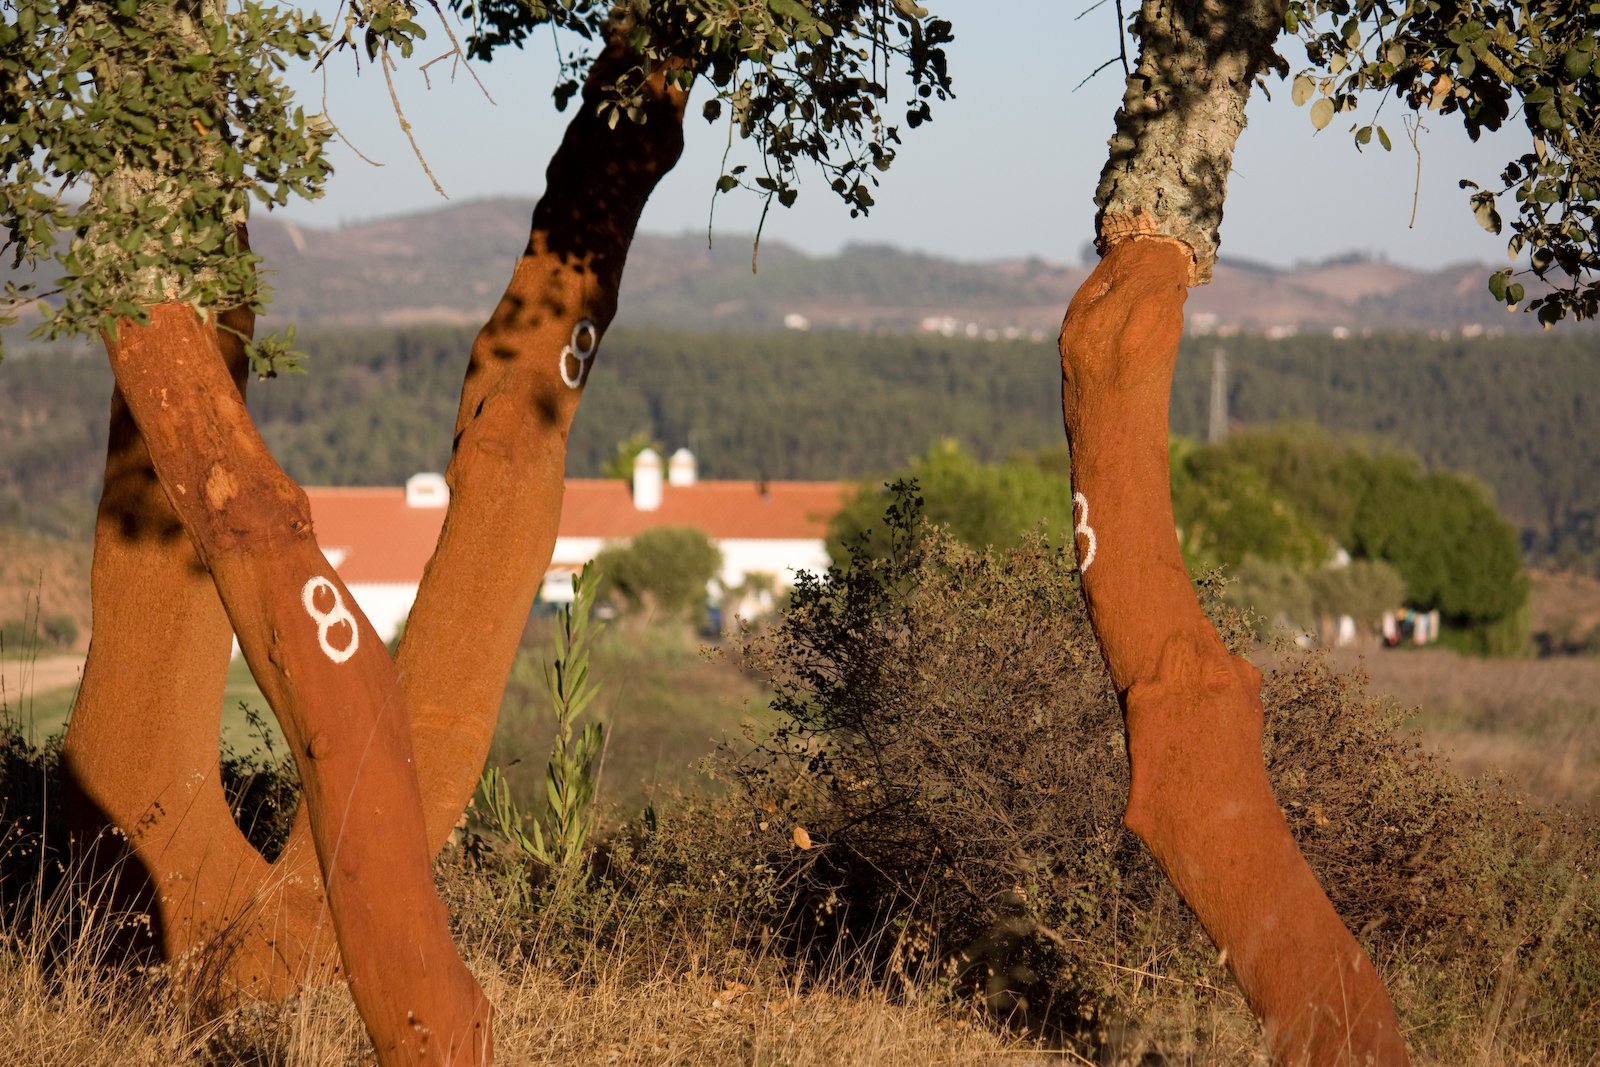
x=72, y=1011
x=69, y=1009
x=1535, y=721
x=44, y=575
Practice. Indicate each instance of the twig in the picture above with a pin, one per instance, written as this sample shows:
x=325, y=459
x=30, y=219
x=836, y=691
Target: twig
x=405, y=124
x=1414, y=129
x=1122, y=40
x=455, y=50
x=1097, y=70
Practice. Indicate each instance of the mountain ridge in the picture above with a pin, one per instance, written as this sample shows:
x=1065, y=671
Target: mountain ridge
x=449, y=265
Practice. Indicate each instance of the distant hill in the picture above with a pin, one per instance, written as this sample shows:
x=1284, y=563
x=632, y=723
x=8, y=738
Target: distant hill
x=450, y=265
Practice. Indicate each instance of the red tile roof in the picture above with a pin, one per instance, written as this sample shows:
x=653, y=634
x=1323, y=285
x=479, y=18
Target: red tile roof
x=380, y=539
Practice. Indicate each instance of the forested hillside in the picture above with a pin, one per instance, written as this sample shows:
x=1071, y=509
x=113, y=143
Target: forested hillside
x=377, y=405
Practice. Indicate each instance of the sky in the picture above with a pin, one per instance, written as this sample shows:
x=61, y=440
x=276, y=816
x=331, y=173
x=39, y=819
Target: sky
x=1007, y=169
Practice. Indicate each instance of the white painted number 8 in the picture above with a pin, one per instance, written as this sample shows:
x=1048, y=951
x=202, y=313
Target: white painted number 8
x=326, y=620
x=1082, y=527
x=585, y=339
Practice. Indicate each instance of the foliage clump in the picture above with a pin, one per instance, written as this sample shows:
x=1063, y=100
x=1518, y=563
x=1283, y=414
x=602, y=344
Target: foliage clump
x=1488, y=61
x=665, y=571
x=804, y=82
x=113, y=108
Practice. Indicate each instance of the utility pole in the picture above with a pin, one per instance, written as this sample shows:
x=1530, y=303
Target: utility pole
x=1219, y=395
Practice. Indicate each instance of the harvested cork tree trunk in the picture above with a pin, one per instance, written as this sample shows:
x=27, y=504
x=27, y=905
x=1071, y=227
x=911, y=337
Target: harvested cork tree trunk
x=141, y=749
x=527, y=372
x=328, y=678
x=1200, y=798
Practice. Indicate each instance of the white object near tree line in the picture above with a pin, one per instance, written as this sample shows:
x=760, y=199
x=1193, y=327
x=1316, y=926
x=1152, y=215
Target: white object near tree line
x=647, y=488
x=425, y=491
x=682, y=469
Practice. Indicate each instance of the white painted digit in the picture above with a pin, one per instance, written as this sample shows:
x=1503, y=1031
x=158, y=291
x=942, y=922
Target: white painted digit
x=326, y=620
x=585, y=340
x=1082, y=527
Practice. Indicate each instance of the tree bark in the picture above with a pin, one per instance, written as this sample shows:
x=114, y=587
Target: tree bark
x=328, y=678
x=506, y=474
x=1200, y=798
x=140, y=754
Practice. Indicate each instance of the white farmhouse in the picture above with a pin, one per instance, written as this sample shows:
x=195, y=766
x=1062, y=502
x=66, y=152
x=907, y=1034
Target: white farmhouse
x=379, y=539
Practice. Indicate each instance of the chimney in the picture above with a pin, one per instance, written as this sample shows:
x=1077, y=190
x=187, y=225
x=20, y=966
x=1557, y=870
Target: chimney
x=681, y=468
x=647, y=480
x=427, y=491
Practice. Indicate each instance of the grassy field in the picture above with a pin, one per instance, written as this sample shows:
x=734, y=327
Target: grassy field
x=1537, y=722
x=671, y=968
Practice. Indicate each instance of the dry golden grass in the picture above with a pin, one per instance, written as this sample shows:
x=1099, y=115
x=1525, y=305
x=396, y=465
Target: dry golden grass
x=74, y=1013
x=1536, y=721
x=85, y=1016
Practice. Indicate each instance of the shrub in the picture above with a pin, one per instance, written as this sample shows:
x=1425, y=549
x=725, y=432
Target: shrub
x=664, y=570
x=954, y=750
x=1277, y=595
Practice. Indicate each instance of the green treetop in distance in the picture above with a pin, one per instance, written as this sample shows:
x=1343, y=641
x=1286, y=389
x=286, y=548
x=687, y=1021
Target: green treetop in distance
x=1487, y=61
x=984, y=505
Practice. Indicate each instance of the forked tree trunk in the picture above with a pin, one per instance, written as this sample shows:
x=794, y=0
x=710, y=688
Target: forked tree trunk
x=328, y=678
x=527, y=371
x=1200, y=798
x=139, y=764
x=506, y=475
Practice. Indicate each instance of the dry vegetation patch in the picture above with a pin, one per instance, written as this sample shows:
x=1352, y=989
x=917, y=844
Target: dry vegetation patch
x=1536, y=721
x=43, y=577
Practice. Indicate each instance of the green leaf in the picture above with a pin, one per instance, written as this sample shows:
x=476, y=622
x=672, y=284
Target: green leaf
x=1322, y=113
x=1383, y=139
x=1302, y=89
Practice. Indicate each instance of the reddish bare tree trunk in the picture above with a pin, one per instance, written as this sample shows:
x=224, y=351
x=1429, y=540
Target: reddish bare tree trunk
x=524, y=381
x=528, y=368
x=1200, y=797
x=140, y=753
x=328, y=678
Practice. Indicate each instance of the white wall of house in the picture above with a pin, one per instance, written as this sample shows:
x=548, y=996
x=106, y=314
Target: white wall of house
x=778, y=559
x=386, y=604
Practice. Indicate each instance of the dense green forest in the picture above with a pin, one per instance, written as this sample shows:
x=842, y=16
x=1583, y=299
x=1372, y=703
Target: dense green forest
x=1518, y=412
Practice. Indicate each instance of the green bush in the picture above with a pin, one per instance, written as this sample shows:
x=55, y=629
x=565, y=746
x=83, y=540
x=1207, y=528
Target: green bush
x=980, y=503
x=1363, y=589
x=1274, y=595
x=663, y=571
x=31, y=635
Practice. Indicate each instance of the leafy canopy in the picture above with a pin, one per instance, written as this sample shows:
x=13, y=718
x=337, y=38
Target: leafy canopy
x=1488, y=61
x=112, y=108
x=806, y=82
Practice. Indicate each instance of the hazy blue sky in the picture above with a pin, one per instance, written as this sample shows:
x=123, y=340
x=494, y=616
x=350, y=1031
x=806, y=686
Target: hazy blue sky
x=1008, y=168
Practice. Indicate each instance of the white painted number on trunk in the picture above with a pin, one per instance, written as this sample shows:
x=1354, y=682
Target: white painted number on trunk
x=1082, y=527
x=575, y=357
x=327, y=620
